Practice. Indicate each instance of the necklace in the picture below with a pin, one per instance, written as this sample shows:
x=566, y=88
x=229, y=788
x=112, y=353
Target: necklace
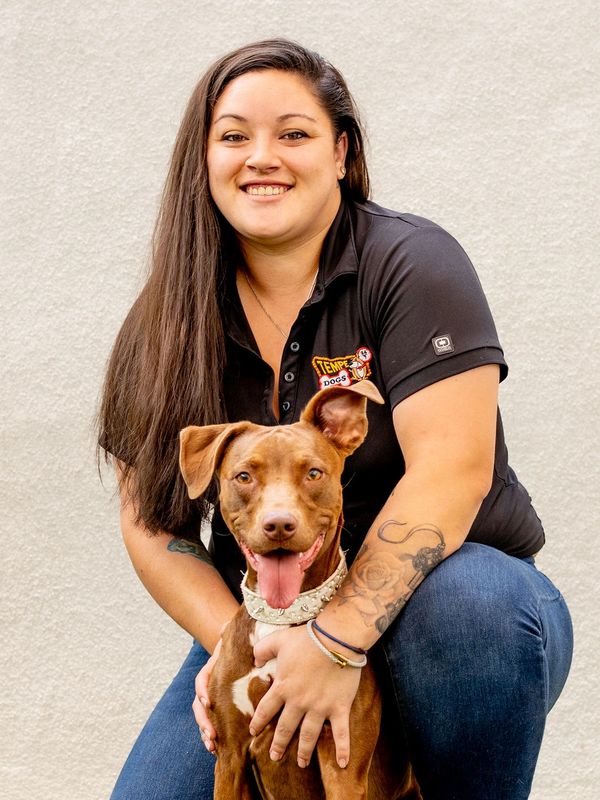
x=264, y=310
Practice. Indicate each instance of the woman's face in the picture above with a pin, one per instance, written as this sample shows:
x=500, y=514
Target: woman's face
x=273, y=160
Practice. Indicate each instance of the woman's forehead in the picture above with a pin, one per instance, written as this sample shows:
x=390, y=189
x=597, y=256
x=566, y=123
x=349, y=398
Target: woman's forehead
x=268, y=92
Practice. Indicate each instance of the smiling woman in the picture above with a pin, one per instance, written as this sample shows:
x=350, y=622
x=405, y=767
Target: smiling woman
x=277, y=184
x=274, y=176
x=274, y=275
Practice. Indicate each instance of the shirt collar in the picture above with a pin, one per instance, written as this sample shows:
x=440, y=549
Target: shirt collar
x=338, y=257
x=338, y=254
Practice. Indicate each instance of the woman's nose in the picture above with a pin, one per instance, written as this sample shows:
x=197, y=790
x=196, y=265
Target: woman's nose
x=263, y=156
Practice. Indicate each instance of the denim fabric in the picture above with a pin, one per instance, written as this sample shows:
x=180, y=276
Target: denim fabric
x=168, y=760
x=476, y=660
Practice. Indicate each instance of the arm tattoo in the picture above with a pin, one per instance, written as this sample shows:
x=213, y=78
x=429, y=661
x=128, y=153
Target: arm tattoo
x=380, y=583
x=195, y=549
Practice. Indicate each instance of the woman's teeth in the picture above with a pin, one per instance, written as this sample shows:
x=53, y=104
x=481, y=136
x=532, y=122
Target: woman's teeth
x=266, y=190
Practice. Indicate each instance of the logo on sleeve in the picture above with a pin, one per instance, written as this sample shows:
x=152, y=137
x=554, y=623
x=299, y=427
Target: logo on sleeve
x=343, y=371
x=442, y=344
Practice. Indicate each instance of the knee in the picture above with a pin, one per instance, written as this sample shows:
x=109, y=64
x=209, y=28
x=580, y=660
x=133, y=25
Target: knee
x=477, y=595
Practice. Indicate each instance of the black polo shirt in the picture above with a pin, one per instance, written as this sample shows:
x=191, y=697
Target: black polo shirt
x=396, y=301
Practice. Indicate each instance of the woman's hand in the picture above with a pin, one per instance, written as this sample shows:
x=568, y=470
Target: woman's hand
x=202, y=702
x=327, y=695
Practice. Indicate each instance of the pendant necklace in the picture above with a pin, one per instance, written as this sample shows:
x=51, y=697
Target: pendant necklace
x=264, y=310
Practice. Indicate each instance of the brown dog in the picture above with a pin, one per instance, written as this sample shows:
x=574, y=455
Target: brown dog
x=281, y=497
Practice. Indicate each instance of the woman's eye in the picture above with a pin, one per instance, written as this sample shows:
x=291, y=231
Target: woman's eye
x=314, y=474
x=243, y=477
x=294, y=136
x=233, y=137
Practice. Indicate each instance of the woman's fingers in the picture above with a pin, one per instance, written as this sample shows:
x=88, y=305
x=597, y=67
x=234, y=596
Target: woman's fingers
x=203, y=677
x=340, y=728
x=266, y=649
x=202, y=702
x=207, y=732
x=265, y=711
x=310, y=731
x=286, y=727
x=201, y=683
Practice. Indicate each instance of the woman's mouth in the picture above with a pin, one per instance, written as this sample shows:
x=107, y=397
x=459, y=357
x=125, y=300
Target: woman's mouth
x=265, y=190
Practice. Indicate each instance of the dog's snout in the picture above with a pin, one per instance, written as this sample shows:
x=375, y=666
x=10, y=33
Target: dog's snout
x=279, y=525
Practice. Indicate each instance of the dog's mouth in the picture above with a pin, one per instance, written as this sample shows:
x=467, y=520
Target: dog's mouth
x=280, y=572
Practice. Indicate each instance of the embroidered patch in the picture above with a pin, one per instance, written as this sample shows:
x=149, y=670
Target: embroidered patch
x=343, y=371
x=442, y=344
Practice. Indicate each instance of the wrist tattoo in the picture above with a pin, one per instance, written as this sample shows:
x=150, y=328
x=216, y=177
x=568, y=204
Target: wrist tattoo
x=195, y=549
x=380, y=583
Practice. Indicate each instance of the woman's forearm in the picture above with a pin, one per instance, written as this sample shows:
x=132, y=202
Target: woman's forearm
x=182, y=581
x=447, y=433
x=426, y=519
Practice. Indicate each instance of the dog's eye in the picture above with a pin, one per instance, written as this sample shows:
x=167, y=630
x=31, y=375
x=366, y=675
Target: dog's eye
x=243, y=477
x=314, y=474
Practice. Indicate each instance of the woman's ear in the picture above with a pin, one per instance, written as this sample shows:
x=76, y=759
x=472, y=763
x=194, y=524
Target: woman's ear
x=341, y=151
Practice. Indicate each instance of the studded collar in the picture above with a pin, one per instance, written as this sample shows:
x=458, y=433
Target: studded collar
x=306, y=606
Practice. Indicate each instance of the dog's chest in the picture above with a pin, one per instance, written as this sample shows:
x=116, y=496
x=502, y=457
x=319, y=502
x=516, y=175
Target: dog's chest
x=240, y=688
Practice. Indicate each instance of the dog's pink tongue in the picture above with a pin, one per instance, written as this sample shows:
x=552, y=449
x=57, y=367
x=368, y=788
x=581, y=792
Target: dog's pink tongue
x=279, y=578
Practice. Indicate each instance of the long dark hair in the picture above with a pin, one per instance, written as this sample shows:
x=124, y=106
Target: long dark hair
x=166, y=367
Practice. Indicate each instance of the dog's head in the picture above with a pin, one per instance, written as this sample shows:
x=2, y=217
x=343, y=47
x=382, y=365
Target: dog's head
x=279, y=487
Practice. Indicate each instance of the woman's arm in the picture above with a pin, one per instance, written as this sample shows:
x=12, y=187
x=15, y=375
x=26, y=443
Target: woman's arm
x=185, y=584
x=447, y=435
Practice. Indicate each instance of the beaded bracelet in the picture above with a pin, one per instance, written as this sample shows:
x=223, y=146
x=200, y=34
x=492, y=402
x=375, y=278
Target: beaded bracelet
x=337, y=658
x=358, y=650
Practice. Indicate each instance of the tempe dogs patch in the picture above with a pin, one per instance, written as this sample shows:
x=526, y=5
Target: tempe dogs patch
x=344, y=370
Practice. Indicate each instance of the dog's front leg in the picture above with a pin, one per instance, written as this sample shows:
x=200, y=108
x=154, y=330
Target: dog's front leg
x=230, y=780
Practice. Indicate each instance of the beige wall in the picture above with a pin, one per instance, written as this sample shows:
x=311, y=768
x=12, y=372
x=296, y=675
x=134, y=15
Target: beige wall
x=480, y=116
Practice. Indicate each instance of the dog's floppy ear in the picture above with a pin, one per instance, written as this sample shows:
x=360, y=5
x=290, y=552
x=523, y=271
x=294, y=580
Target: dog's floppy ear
x=340, y=413
x=201, y=450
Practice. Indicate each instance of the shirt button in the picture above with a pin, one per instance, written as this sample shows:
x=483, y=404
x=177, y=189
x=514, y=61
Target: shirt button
x=294, y=347
x=286, y=406
x=289, y=377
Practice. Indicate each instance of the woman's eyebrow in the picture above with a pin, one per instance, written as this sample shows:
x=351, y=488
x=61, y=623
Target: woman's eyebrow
x=281, y=118
x=231, y=116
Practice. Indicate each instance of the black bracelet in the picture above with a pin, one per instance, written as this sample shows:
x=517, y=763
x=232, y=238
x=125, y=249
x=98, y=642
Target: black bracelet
x=358, y=650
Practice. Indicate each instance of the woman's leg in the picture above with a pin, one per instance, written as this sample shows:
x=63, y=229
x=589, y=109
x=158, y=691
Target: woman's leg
x=168, y=760
x=477, y=658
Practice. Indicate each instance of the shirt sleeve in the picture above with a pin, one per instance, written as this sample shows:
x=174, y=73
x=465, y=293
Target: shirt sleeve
x=426, y=309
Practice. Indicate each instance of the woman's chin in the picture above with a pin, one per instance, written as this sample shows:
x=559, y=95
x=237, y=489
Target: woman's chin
x=268, y=235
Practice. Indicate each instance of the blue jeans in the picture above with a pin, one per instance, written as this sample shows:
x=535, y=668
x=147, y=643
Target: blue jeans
x=476, y=661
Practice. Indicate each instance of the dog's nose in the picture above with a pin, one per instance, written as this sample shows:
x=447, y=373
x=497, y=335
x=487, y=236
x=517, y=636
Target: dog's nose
x=279, y=525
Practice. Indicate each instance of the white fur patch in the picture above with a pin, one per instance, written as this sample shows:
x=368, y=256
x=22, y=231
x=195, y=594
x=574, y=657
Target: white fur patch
x=239, y=688
x=262, y=629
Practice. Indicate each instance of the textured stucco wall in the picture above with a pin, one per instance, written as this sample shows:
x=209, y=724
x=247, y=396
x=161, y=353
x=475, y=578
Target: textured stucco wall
x=480, y=116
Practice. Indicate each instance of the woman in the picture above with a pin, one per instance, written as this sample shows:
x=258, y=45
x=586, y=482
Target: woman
x=273, y=276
